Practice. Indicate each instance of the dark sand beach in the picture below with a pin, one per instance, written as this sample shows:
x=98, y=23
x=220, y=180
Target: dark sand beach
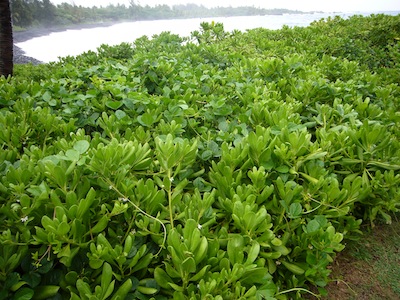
x=25, y=35
x=30, y=33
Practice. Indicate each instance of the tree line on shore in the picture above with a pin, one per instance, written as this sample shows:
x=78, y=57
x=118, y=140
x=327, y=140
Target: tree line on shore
x=29, y=13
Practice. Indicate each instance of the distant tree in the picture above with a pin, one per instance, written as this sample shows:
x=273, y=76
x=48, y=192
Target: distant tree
x=21, y=13
x=6, y=39
x=44, y=12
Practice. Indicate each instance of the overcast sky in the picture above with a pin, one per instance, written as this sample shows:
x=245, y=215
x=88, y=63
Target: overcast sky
x=303, y=5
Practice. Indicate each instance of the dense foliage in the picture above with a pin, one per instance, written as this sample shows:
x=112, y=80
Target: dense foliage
x=27, y=13
x=220, y=166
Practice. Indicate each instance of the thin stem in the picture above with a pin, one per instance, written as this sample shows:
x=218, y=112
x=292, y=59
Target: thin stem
x=296, y=290
x=140, y=210
x=171, y=217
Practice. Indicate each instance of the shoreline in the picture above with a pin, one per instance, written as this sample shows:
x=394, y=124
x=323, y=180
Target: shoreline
x=33, y=32
x=30, y=33
x=24, y=35
x=19, y=57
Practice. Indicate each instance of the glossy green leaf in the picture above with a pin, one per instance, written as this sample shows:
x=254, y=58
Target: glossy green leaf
x=81, y=146
x=45, y=292
x=114, y=104
x=24, y=294
x=146, y=119
x=313, y=226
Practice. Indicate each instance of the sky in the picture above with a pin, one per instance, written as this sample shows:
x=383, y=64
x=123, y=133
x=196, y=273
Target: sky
x=303, y=5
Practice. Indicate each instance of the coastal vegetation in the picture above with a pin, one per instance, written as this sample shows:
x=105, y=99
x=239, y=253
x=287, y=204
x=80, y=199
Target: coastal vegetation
x=224, y=165
x=28, y=13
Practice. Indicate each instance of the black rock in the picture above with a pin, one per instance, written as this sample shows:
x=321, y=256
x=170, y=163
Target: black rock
x=21, y=58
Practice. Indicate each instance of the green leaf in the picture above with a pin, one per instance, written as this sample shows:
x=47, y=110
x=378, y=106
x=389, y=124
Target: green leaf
x=190, y=227
x=123, y=290
x=206, y=155
x=96, y=263
x=162, y=278
x=120, y=114
x=256, y=276
x=295, y=210
x=253, y=253
x=313, y=226
x=171, y=271
x=200, y=251
x=176, y=287
x=106, y=275
x=83, y=288
x=283, y=169
x=143, y=262
x=84, y=204
x=294, y=268
x=100, y=225
x=146, y=120
x=316, y=155
x=45, y=292
x=235, y=249
x=33, y=279
x=24, y=294
x=81, y=146
x=72, y=155
x=382, y=165
x=48, y=224
x=107, y=290
x=114, y=104
x=74, y=297
x=63, y=228
x=46, y=96
x=16, y=286
x=200, y=275
x=223, y=126
x=147, y=290
x=71, y=277
x=189, y=265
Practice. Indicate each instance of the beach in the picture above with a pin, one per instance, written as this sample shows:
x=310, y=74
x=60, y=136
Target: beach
x=25, y=35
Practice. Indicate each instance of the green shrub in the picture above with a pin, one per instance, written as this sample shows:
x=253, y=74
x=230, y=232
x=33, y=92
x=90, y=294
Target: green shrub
x=231, y=168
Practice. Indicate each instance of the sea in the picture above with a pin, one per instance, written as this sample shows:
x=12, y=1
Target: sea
x=52, y=47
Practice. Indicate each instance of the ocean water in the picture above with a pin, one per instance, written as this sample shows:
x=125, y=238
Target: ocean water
x=74, y=42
